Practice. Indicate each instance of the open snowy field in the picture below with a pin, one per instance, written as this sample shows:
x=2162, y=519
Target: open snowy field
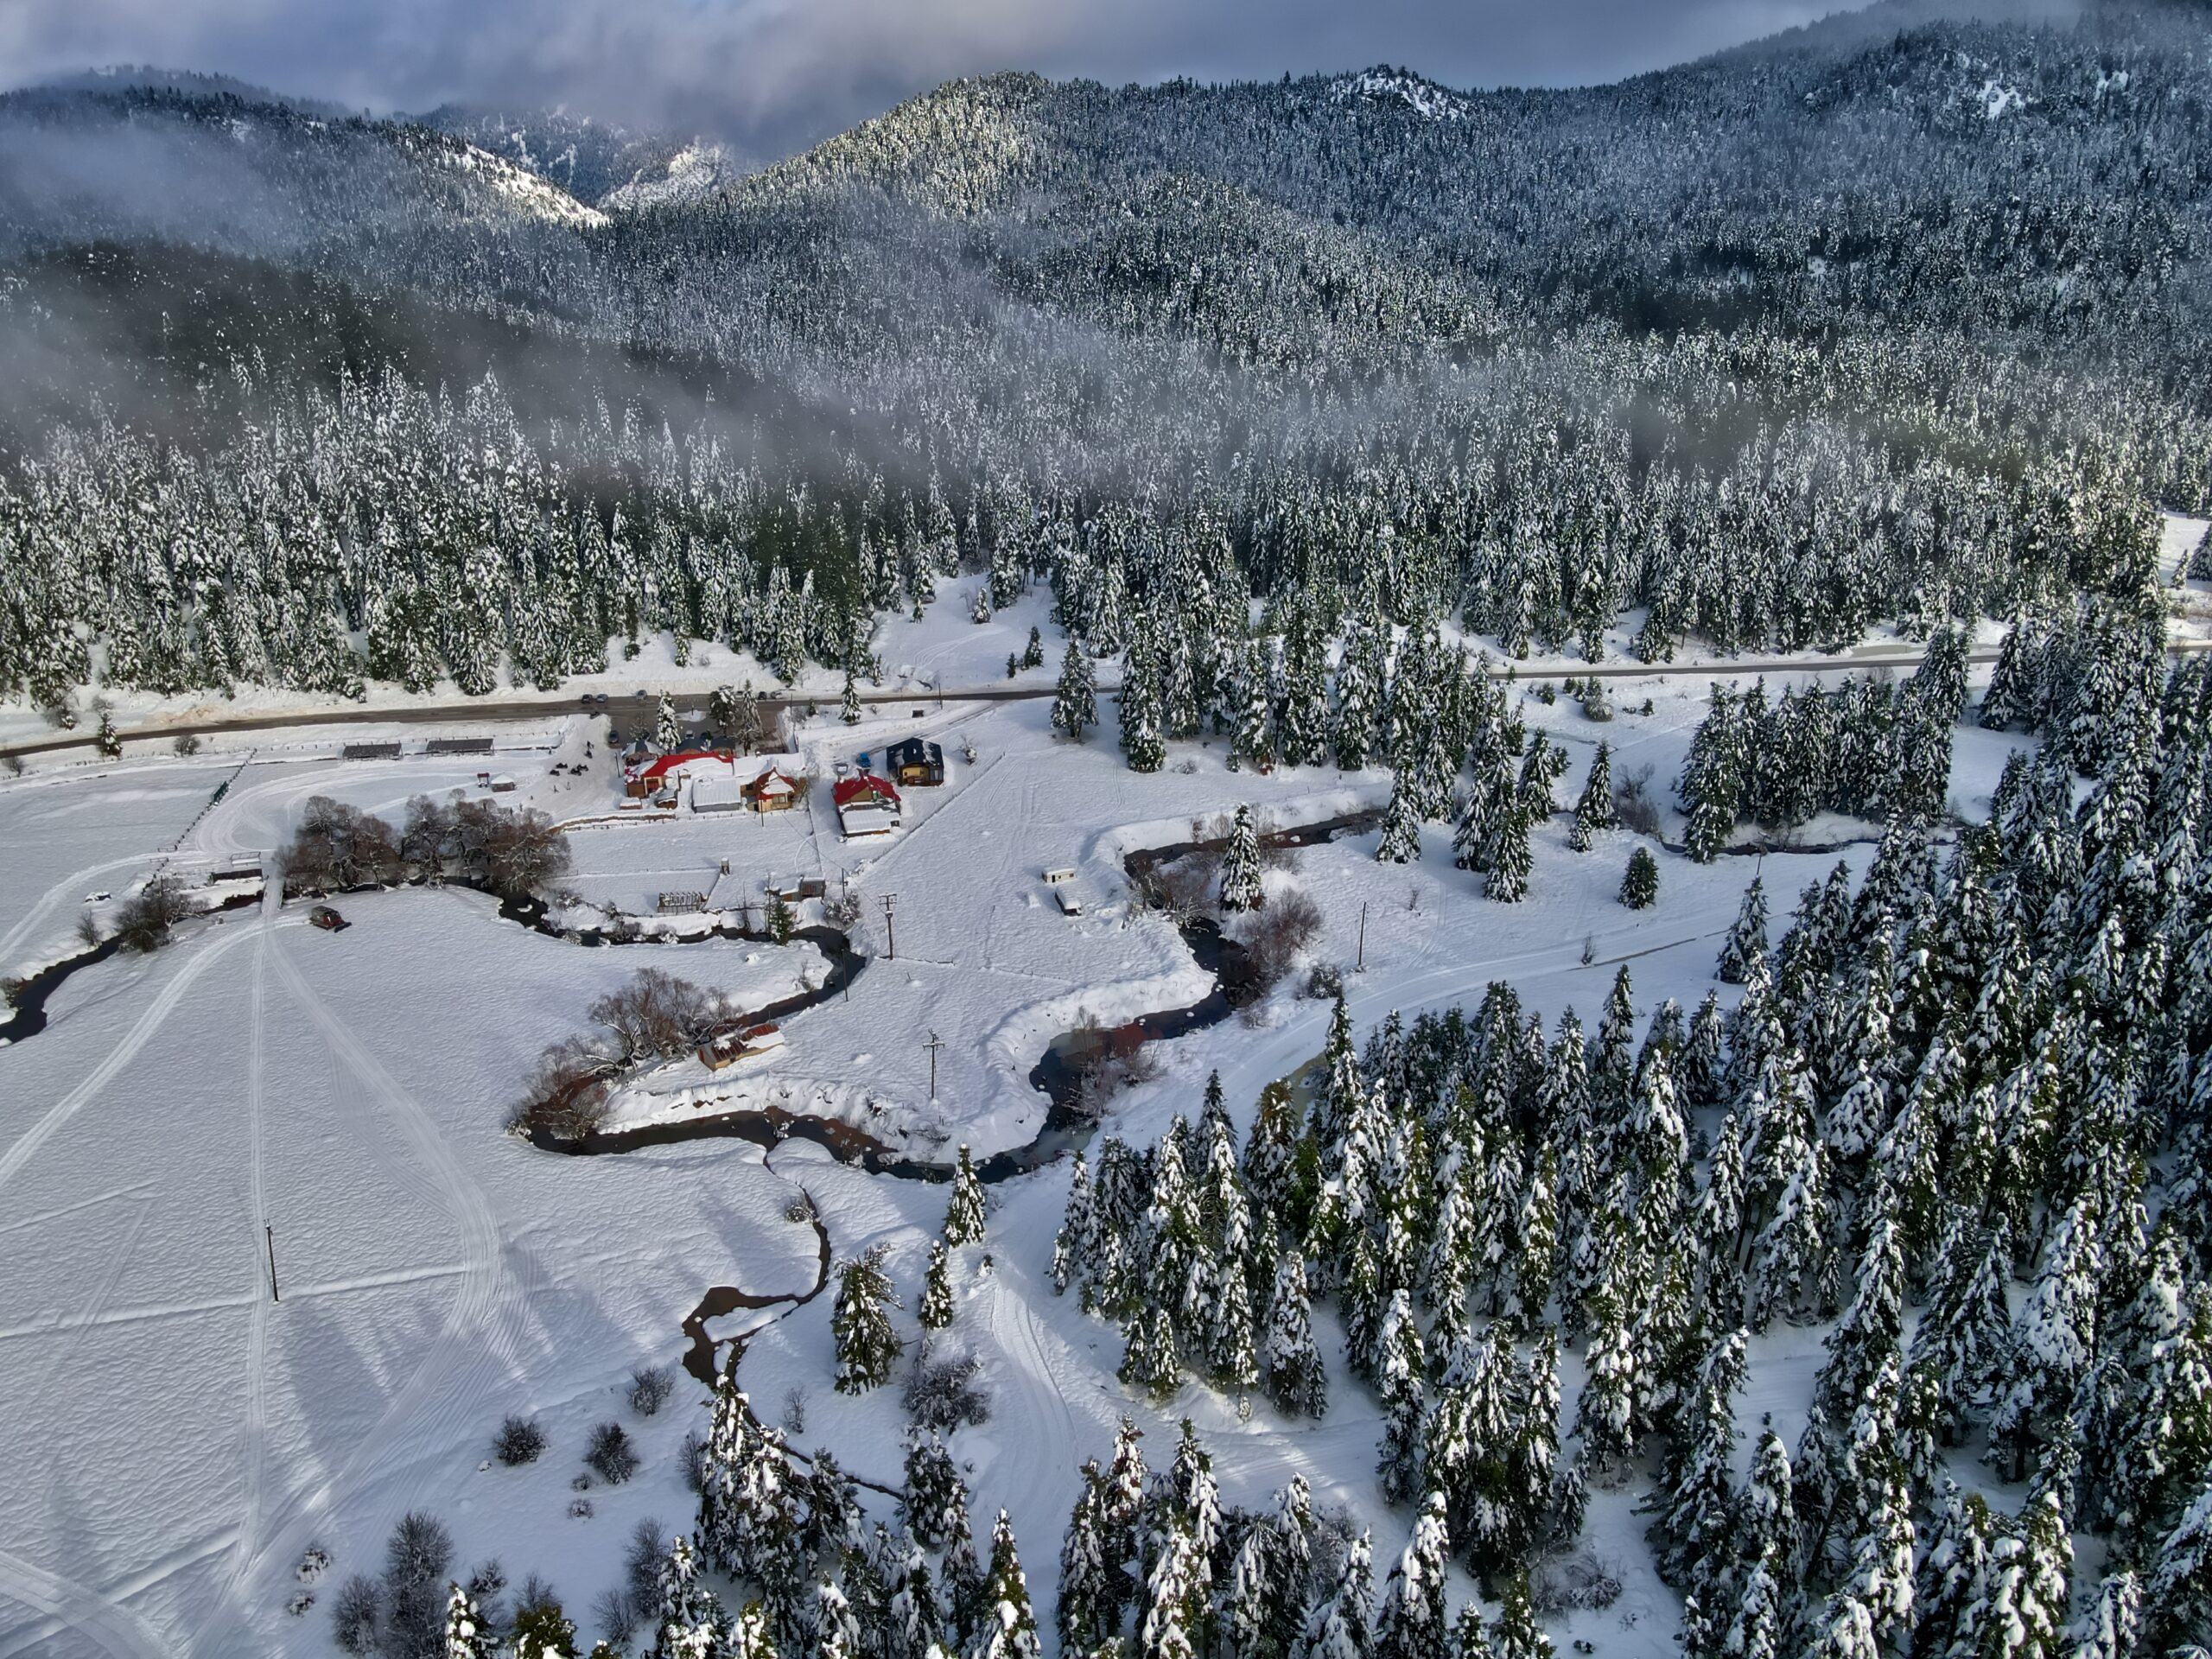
x=179, y=1440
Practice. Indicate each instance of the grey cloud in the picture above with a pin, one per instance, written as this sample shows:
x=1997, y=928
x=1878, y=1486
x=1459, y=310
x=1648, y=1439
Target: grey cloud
x=775, y=73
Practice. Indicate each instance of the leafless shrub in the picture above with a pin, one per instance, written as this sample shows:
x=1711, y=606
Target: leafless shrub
x=641, y=1565
x=944, y=1391
x=691, y=1458
x=355, y=1617
x=1274, y=938
x=187, y=744
x=1632, y=802
x=655, y=1016
x=567, y=1094
x=612, y=1613
x=12, y=991
x=650, y=1387
x=147, y=915
x=1177, y=890
x=794, y=1420
x=800, y=1210
x=88, y=930
x=12, y=764
x=338, y=847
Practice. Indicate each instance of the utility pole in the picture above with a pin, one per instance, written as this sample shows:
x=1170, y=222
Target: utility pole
x=269, y=1233
x=933, y=1045
x=890, y=937
x=1360, y=967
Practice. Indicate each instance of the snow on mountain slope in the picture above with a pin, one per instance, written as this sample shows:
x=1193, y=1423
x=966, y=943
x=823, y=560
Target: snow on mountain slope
x=1399, y=87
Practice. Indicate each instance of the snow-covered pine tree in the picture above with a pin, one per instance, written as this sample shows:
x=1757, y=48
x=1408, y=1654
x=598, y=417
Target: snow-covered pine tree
x=1594, y=808
x=1694, y=1504
x=1094, y=1587
x=1640, y=886
x=1400, y=841
x=1399, y=1365
x=963, y=1215
x=934, y=1493
x=1240, y=865
x=1411, y=1622
x=2013, y=695
x=1342, y=1620
x=1518, y=1635
x=1075, y=703
x=1173, y=1620
x=748, y=1508
x=868, y=1347
x=1268, y=1166
x=1009, y=1624
x=1505, y=856
x=835, y=1626
x=935, y=1309
x=1747, y=937
x=689, y=1623
x=1139, y=702
x=467, y=1634
x=1290, y=1365
x=848, y=701
x=1149, y=1362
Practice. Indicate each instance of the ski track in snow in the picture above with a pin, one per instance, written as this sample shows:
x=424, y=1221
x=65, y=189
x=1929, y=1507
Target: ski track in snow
x=109, y=1625
x=26, y=1145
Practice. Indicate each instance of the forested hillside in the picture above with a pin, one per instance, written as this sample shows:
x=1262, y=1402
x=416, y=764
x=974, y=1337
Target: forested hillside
x=1885, y=324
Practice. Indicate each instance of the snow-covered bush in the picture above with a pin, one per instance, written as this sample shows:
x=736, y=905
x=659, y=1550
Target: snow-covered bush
x=691, y=1458
x=518, y=1441
x=610, y=1454
x=1572, y=1581
x=1326, y=982
x=945, y=1390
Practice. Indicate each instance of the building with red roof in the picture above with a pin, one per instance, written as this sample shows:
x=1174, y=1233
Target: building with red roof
x=867, y=805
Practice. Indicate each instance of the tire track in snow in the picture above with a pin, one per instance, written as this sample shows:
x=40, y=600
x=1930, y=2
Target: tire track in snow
x=26, y=1145
x=79, y=1608
x=253, y=1429
x=1013, y=1325
x=483, y=1327
x=52, y=897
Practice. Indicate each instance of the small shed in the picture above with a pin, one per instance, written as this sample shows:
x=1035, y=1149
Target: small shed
x=735, y=1045
x=914, y=761
x=1063, y=874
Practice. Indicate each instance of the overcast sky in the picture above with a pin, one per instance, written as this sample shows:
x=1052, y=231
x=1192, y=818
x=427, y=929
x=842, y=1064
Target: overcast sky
x=777, y=72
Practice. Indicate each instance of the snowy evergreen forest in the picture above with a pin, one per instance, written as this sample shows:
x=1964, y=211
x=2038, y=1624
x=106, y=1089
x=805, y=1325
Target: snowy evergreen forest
x=1854, y=327
x=1958, y=1117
